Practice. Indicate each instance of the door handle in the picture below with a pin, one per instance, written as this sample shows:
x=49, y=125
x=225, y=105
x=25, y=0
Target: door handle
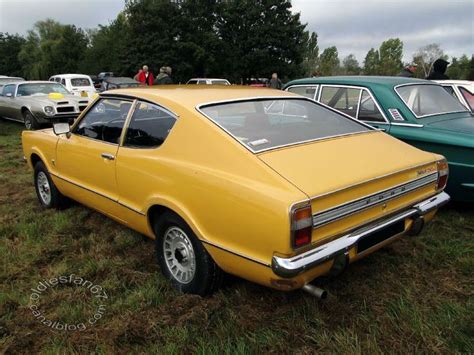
x=107, y=156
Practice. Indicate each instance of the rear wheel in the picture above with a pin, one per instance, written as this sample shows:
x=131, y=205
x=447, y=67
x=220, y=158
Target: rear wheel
x=183, y=259
x=47, y=193
x=30, y=121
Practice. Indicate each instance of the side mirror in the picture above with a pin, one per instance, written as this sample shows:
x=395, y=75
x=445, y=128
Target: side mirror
x=9, y=94
x=61, y=128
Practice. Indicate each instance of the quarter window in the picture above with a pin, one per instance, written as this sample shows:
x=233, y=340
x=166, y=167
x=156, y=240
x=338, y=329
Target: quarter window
x=342, y=99
x=105, y=120
x=8, y=89
x=468, y=96
x=308, y=91
x=149, y=126
x=368, y=109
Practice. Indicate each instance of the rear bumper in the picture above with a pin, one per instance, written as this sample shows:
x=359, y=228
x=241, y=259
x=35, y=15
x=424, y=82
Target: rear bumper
x=290, y=267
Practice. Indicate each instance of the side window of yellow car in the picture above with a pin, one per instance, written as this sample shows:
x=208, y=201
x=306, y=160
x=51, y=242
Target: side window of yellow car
x=149, y=126
x=105, y=120
x=342, y=99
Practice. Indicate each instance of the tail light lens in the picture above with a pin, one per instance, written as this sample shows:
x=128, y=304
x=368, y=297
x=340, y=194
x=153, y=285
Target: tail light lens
x=443, y=172
x=301, y=226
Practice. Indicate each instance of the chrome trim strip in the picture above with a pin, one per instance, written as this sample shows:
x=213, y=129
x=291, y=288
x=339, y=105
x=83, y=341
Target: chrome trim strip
x=290, y=267
x=414, y=114
x=373, y=179
x=235, y=253
x=98, y=193
x=407, y=124
x=338, y=212
x=295, y=97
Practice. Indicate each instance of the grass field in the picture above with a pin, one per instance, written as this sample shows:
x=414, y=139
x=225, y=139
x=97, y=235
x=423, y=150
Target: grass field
x=416, y=295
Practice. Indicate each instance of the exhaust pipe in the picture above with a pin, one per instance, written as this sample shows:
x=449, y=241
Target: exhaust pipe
x=315, y=291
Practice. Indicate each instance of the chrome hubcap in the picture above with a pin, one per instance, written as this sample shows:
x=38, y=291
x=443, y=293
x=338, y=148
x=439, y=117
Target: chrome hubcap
x=179, y=255
x=44, y=189
x=28, y=122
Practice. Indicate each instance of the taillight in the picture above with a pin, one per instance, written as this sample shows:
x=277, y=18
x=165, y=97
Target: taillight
x=443, y=172
x=301, y=226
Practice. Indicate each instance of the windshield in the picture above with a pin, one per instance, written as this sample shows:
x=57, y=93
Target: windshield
x=80, y=82
x=264, y=124
x=427, y=100
x=40, y=89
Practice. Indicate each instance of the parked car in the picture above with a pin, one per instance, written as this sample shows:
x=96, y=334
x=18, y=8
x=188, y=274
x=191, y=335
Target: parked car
x=112, y=83
x=419, y=112
x=462, y=90
x=39, y=102
x=8, y=79
x=225, y=179
x=258, y=82
x=208, y=81
x=104, y=75
x=77, y=84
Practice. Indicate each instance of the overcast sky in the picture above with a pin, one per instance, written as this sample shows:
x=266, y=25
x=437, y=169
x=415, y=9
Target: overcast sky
x=353, y=26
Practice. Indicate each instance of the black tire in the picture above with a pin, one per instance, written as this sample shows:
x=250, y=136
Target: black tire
x=56, y=199
x=207, y=276
x=30, y=121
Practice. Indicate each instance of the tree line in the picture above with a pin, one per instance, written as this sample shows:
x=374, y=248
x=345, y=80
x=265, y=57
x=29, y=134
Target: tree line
x=236, y=40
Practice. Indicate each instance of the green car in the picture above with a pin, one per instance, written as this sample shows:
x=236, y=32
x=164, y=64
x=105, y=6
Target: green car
x=419, y=112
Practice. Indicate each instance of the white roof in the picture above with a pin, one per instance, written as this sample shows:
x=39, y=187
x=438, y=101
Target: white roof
x=456, y=82
x=72, y=76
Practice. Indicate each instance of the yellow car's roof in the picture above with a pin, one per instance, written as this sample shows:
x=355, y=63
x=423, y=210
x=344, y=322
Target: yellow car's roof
x=190, y=96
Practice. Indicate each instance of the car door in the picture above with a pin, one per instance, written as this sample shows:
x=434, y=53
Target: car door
x=9, y=107
x=86, y=159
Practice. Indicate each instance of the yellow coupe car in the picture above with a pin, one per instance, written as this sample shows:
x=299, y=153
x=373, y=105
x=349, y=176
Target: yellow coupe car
x=263, y=184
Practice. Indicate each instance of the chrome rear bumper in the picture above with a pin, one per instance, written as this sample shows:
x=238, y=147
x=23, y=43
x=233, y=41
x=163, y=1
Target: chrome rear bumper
x=289, y=267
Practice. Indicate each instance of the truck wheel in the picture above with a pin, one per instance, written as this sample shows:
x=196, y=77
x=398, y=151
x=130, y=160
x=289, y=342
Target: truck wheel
x=30, y=121
x=183, y=259
x=47, y=193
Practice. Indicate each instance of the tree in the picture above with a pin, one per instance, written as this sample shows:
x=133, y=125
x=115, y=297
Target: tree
x=52, y=48
x=10, y=47
x=372, y=62
x=329, y=61
x=459, y=68
x=391, y=53
x=426, y=56
x=311, y=56
x=350, y=65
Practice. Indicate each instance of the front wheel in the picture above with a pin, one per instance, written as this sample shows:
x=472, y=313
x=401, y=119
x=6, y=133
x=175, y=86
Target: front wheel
x=47, y=193
x=183, y=259
x=30, y=121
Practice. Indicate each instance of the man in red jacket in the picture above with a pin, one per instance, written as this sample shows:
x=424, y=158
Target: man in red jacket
x=146, y=76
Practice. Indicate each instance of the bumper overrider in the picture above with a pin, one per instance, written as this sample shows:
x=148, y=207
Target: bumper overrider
x=290, y=267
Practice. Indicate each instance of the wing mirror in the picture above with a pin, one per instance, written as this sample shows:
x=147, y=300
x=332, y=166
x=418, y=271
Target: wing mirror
x=61, y=128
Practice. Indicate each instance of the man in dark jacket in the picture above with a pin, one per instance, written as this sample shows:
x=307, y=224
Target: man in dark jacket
x=408, y=71
x=439, y=70
x=274, y=82
x=164, y=78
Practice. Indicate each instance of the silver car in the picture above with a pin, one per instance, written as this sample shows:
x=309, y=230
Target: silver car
x=35, y=103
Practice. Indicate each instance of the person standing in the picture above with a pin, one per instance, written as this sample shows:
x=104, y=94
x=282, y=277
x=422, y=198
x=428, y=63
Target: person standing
x=137, y=74
x=275, y=83
x=146, y=76
x=164, y=78
x=439, y=70
x=409, y=70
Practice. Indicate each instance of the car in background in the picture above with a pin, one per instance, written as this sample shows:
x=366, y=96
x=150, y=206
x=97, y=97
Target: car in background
x=77, y=84
x=104, y=75
x=208, y=81
x=224, y=179
x=462, y=90
x=35, y=103
x=258, y=82
x=419, y=112
x=112, y=83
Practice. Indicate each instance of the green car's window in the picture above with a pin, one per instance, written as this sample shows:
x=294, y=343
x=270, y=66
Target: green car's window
x=368, y=110
x=265, y=124
x=308, y=91
x=149, y=126
x=426, y=100
x=341, y=98
x=41, y=89
x=105, y=120
x=468, y=96
x=450, y=90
